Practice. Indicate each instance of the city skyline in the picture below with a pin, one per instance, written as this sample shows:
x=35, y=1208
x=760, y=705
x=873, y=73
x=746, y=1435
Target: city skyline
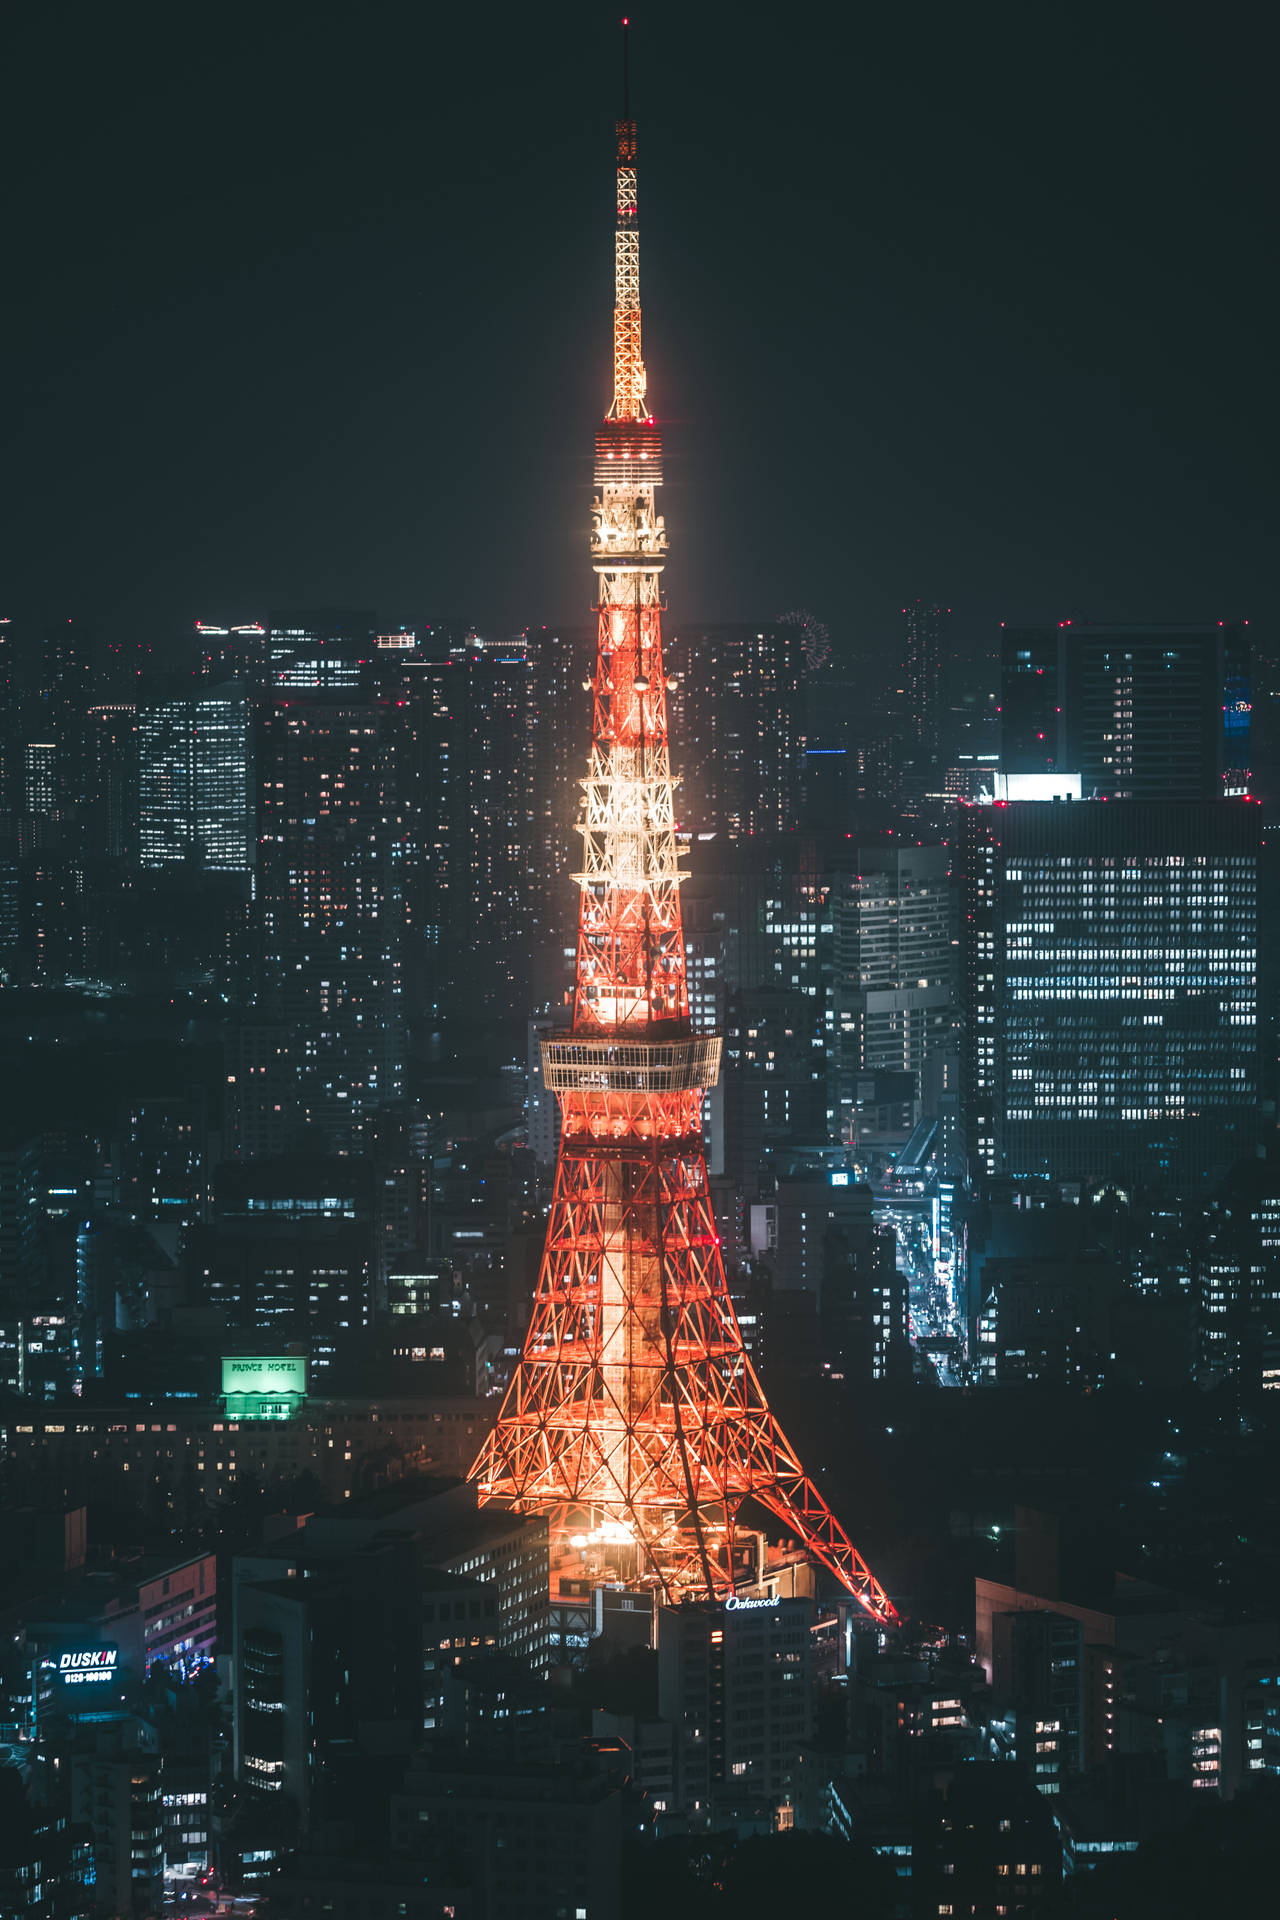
x=520, y=1133
x=231, y=424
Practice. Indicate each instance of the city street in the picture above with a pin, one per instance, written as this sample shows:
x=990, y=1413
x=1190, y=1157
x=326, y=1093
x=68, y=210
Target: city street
x=933, y=1307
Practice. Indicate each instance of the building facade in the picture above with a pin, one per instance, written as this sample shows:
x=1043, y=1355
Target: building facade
x=737, y=716
x=735, y=1679
x=195, y=770
x=1109, y=963
x=337, y=817
x=1139, y=712
x=893, y=965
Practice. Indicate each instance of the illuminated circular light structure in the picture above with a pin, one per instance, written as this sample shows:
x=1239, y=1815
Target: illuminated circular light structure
x=635, y=1419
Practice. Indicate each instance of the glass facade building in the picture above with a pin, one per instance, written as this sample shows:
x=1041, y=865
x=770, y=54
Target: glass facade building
x=892, y=964
x=1109, y=960
x=195, y=767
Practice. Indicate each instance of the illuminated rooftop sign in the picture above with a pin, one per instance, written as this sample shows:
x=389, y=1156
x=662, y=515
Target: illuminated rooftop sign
x=1038, y=786
x=263, y=1386
x=86, y=1666
x=264, y=1374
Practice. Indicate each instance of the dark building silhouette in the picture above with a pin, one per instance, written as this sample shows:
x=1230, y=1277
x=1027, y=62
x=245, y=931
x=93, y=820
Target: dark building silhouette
x=925, y=659
x=560, y=658
x=291, y=1250
x=475, y=700
x=1139, y=712
x=1237, y=1283
x=736, y=1683
x=989, y=1843
x=737, y=718
x=47, y=1867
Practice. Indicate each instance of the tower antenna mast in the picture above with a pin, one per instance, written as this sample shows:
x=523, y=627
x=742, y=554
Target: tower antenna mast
x=635, y=1419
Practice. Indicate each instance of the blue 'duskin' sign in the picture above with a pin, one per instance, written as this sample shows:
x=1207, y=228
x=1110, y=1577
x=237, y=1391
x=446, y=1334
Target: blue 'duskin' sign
x=86, y=1666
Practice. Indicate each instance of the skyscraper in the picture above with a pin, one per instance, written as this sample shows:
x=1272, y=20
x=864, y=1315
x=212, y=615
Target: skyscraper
x=319, y=648
x=108, y=783
x=1109, y=957
x=924, y=664
x=480, y=802
x=738, y=718
x=291, y=1252
x=40, y=777
x=560, y=659
x=1237, y=1282
x=1139, y=712
x=195, y=773
x=892, y=988
x=337, y=823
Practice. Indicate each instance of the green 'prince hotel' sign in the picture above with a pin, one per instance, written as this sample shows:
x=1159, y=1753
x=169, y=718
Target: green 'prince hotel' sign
x=264, y=1376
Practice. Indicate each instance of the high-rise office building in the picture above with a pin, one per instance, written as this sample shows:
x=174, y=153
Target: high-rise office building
x=291, y=1252
x=40, y=777
x=892, y=955
x=1058, y=1689
x=491, y=817
x=21, y=1250
x=819, y=1237
x=107, y=795
x=54, y=935
x=1237, y=1282
x=162, y=1154
x=925, y=657
x=738, y=728
x=118, y=1796
x=1108, y=966
x=233, y=653
x=334, y=911
x=560, y=659
x=314, y=1656
x=195, y=772
x=1139, y=712
x=759, y=952
x=479, y=804
x=321, y=648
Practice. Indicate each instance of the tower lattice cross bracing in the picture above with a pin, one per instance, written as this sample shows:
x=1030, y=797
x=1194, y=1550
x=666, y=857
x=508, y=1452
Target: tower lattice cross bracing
x=635, y=1418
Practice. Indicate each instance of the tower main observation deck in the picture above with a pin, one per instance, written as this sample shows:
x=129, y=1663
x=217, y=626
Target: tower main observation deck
x=635, y=1419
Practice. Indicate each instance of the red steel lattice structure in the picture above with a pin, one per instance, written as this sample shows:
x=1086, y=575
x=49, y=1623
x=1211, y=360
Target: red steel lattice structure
x=635, y=1417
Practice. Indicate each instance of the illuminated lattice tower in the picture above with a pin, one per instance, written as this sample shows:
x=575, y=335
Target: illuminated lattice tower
x=635, y=1418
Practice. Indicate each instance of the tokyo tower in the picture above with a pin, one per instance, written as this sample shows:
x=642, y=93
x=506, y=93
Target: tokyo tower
x=635, y=1419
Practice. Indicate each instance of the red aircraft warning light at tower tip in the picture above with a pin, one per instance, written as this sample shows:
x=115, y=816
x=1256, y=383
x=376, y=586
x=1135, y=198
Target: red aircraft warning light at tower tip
x=635, y=1419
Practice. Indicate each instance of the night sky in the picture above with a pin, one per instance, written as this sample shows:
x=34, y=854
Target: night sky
x=305, y=304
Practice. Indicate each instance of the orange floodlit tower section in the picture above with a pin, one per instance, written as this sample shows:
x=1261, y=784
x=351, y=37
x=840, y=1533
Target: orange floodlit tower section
x=635, y=1419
